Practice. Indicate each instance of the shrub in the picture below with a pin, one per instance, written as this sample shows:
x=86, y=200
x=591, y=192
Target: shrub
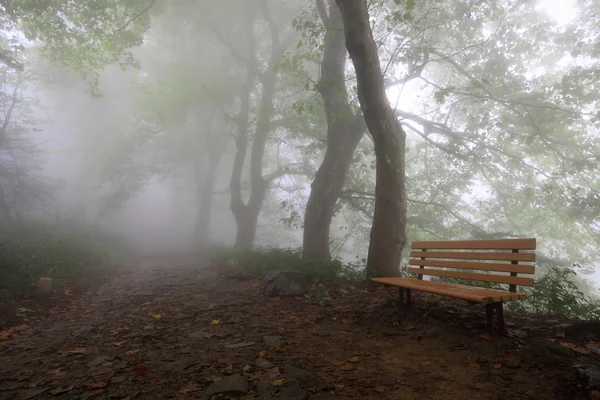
x=261, y=260
x=557, y=293
x=64, y=252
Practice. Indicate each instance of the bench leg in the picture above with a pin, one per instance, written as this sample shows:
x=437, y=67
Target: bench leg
x=401, y=296
x=489, y=316
x=500, y=317
x=408, y=298
x=490, y=308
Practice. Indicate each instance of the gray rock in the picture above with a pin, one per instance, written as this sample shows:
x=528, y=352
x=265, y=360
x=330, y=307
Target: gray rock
x=264, y=364
x=266, y=390
x=589, y=377
x=388, y=381
x=272, y=342
x=196, y=335
x=293, y=392
x=91, y=394
x=115, y=380
x=234, y=384
x=87, y=329
x=297, y=373
x=558, y=349
x=239, y=345
x=285, y=283
x=98, y=361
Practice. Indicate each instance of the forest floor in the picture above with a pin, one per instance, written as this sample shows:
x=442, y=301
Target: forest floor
x=163, y=330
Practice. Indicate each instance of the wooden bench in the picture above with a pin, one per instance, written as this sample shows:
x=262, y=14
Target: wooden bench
x=445, y=257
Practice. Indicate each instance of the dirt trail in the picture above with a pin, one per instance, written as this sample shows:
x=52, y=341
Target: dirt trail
x=161, y=331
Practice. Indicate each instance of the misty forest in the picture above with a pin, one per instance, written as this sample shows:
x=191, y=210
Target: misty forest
x=201, y=199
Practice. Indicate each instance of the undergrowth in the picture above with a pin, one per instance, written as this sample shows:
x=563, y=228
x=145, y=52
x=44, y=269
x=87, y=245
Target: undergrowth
x=64, y=252
x=262, y=260
x=556, y=293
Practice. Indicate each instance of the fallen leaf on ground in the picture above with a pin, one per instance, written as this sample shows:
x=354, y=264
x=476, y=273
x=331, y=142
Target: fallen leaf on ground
x=461, y=346
x=380, y=389
x=118, y=344
x=189, y=389
x=141, y=369
x=425, y=363
x=5, y=335
x=484, y=336
x=496, y=366
x=280, y=382
x=352, y=359
x=215, y=322
x=261, y=354
x=511, y=361
x=569, y=345
x=19, y=328
x=212, y=306
x=95, y=385
x=409, y=327
x=280, y=350
x=61, y=390
x=131, y=352
x=347, y=367
x=157, y=316
x=581, y=350
x=473, y=363
x=79, y=350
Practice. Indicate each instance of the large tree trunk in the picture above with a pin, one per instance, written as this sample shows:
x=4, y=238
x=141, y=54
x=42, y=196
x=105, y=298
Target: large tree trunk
x=344, y=131
x=388, y=233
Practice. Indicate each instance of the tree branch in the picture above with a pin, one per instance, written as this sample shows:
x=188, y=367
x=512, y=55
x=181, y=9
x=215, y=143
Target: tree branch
x=136, y=16
x=322, y=11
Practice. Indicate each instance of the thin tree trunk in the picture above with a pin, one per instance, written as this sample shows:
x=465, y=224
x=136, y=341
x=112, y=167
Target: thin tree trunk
x=388, y=233
x=344, y=132
x=206, y=191
x=246, y=215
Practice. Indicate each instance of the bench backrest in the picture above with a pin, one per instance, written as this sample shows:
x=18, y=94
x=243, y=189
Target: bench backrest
x=474, y=256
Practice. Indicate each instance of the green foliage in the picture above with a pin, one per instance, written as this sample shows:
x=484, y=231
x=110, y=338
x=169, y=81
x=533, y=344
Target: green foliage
x=64, y=252
x=85, y=35
x=262, y=260
x=557, y=293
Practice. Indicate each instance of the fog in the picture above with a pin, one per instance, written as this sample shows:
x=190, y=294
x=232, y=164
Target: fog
x=143, y=139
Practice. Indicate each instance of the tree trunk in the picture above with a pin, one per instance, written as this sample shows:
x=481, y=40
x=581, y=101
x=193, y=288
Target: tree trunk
x=344, y=131
x=388, y=233
x=246, y=215
x=206, y=191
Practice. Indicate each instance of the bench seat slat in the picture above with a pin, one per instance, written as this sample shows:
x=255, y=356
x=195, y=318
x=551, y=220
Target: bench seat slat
x=469, y=293
x=483, y=277
x=470, y=255
x=521, y=269
x=493, y=244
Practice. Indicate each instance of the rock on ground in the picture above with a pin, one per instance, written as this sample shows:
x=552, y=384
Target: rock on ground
x=589, y=376
x=234, y=384
x=285, y=283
